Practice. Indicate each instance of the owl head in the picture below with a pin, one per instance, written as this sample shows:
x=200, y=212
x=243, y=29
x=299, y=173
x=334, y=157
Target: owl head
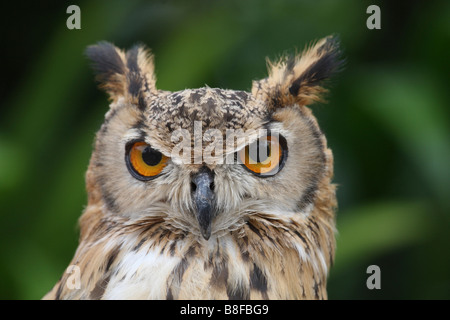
x=207, y=159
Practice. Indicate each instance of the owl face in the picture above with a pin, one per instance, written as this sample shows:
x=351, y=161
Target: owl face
x=206, y=159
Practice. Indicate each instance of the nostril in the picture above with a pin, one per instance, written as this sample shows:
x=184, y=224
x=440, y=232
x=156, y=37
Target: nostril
x=202, y=182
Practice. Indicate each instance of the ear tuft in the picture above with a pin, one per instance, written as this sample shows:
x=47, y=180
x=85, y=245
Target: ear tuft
x=141, y=75
x=299, y=79
x=108, y=63
x=120, y=73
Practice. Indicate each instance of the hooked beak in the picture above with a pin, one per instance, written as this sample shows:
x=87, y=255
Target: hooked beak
x=202, y=188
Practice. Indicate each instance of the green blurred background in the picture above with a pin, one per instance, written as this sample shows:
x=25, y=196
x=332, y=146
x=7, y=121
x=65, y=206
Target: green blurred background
x=387, y=121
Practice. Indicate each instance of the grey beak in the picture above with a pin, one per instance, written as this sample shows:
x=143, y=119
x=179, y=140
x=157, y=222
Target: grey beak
x=202, y=188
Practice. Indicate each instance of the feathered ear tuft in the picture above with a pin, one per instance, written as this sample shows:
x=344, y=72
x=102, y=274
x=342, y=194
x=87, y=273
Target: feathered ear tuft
x=299, y=79
x=129, y=74
x=108, y=63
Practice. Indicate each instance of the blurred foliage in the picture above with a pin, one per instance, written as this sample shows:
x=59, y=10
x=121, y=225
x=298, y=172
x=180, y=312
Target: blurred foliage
x=388, y=123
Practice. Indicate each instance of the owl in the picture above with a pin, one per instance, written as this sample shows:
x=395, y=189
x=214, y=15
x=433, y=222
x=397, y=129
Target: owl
x=207, y=193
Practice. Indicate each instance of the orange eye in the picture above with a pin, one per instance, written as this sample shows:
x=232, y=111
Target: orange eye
x=264, y=157
x=144, y=162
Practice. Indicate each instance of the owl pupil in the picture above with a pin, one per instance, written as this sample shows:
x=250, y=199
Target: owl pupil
x=151, y=157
